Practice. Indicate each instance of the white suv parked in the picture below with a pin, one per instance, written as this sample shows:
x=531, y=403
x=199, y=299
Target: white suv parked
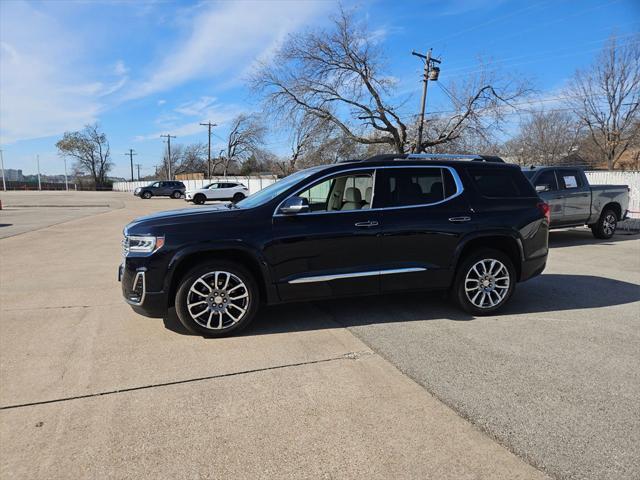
x=217, y=191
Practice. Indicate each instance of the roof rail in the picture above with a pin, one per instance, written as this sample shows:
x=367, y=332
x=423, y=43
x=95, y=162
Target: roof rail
x=430, y=156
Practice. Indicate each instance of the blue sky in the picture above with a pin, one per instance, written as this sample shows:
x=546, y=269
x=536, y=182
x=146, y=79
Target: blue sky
x=147, y=68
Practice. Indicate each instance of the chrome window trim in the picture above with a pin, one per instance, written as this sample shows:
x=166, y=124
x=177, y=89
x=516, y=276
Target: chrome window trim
x=340, y=276
x=454, y=174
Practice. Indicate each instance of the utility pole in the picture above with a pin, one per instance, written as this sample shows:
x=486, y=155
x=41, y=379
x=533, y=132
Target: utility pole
x=431, y=72
x=138, y=165
x=131, y=154
x=209, y=124
x=38, y=162
x=4, y=183
x=169, y=137
x=66, y=181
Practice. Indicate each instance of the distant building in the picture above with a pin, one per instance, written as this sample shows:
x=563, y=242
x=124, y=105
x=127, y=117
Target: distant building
x=12, y=175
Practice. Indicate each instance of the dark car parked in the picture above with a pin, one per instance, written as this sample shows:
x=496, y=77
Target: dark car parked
x=171, y=189
x=468, y=224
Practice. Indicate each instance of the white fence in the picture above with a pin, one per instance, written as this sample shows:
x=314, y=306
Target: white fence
x=620, y=178
x=253, y=183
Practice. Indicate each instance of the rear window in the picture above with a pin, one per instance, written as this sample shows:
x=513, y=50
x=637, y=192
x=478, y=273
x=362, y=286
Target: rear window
x=501, y=183
x=403, y=187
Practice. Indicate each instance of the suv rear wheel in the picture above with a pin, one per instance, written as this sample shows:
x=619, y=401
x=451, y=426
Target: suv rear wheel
x=176, y=194
x=216, y=299
x=606, y=225
x=237, y=197
x=485, y=281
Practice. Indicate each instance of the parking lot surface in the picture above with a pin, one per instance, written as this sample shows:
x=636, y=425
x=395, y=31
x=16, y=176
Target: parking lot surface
x=92, y=390
x=317, y=390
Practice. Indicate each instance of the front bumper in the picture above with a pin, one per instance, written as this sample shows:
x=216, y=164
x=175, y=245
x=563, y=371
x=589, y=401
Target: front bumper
x=134, y=291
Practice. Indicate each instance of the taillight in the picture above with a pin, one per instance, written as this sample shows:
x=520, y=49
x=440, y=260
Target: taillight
x=546, y=210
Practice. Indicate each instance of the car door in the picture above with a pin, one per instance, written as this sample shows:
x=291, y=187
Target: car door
x=546, y=184
x=156, y=188
x=213, y=191
x=331, y=249
x=165, y=188
x=577, y=196
x=423, y=215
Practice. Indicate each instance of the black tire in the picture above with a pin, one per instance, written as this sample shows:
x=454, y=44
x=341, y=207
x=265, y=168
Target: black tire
x=215, y=309
x=237, y=197
x=146, y=195
x=499, y=292
x=199, y=199
x=176, y=194
x=606, y=225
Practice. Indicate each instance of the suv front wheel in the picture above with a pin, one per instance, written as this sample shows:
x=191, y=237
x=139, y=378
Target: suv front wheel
x=485, y=281
x=216, y=299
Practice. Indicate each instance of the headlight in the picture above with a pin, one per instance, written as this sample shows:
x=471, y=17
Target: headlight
x=137, y=190
x=144, y=243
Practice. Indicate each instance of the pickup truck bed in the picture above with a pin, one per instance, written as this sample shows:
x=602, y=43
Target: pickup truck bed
x=573, y=202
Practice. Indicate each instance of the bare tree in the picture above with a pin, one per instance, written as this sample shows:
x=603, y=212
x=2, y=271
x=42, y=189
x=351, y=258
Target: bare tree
x=545, y=138
x=606, y=98
x=245, y=136
x=308, y=134
x=89, y=148
x=337, y=75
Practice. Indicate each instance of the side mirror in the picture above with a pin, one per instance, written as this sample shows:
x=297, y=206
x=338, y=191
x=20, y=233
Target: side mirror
x=294, y=205
x=542, y=188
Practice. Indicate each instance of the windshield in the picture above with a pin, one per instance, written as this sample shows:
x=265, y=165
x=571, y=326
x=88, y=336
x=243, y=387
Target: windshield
x=272, y=191
x=528, y=173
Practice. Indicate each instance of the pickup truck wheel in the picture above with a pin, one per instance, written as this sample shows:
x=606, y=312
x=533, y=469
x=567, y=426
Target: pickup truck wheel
x=237, y=197
x=199, y=199
x=606, y=225
x=146, y=195
x=217, y=299
x=484, y=282
x=176, y=194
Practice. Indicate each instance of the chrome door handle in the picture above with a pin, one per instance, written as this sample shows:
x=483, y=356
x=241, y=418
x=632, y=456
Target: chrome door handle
x=459, y=219
x=370, y=223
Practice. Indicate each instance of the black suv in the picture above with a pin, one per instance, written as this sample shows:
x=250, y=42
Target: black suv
x=171, y=189
x=472, y=225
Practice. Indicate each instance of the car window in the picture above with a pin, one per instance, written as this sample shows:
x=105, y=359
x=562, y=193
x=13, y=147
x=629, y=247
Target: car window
x=569, y=179
x=501, y=183
x=345, y=192
x=548, y=179
x=272, y=191
x=155, y=185
x=213, y=185
x=413, y=186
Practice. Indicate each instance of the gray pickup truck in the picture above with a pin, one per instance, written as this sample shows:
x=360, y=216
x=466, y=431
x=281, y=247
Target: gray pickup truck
x=573, y=202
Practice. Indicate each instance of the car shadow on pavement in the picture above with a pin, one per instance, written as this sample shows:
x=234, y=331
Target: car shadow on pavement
x=546, y=293
x=583, y=236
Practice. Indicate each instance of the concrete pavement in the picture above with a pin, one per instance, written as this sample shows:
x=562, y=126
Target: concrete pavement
x=90, y=389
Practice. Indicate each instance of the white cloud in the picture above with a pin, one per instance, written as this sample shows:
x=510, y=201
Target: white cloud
x=225, y=36
x=161, y=102
x=43, y=90
x=202, y=110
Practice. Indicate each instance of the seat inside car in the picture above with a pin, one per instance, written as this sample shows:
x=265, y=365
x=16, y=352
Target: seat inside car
x=353, y=199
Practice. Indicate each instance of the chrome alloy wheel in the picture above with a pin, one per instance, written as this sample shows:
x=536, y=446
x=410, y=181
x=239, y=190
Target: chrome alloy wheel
x=487, y=283
x=609, y=224
x=218, y=300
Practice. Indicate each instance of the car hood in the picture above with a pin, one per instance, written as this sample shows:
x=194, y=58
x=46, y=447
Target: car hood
x=149, y=223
